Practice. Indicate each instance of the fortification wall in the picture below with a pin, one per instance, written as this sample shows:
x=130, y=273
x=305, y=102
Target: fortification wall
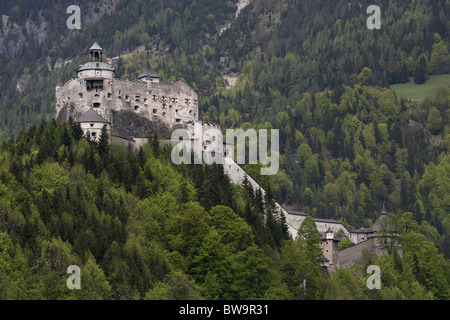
x=173, y=104
x=352, y=255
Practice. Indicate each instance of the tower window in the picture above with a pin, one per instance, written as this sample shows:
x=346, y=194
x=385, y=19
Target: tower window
x=96, y=105
x=94, y=85
x=91, y=124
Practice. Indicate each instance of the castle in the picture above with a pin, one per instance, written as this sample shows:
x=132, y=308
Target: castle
x=134, y=110
x=131, y=110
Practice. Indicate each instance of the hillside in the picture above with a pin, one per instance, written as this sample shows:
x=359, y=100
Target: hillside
x=411, y=90
x=349, y=146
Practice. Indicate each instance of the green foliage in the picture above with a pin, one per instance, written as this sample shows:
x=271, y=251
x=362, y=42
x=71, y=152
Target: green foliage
x=421, y=71
x=434, y=121
x=143, y=228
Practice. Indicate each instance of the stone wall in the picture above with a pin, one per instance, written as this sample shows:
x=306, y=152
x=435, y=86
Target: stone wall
x=173, y=104
x=352, y=255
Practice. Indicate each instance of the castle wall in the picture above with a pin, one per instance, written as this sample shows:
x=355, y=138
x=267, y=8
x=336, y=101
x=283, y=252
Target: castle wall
x=352, y=255
x=173, y=104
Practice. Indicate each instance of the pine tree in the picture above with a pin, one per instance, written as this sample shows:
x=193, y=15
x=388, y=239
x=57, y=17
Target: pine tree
x=103, y=143
x=421, y=71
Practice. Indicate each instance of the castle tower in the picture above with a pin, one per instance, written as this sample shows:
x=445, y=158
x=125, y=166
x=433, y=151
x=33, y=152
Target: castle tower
x=93, y=123
x=96, y=53
x=96, y=69
x=329, y=247
x=148, y=75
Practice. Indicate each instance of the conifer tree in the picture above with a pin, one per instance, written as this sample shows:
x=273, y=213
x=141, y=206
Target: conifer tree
x=421, y=71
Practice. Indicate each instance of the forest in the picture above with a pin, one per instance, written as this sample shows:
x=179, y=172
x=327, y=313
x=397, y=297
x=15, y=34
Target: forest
x=140, y=227
x=348, y=147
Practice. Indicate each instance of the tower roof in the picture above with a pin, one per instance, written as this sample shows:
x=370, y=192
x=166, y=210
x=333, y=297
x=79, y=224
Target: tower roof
x=95, y=46
x=92, y=116
x=148, y=72
x=95, y=65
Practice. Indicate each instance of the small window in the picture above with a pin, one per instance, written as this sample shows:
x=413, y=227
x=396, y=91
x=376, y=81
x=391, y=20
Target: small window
x=91, y=124
x=177, y=120
x=81, y=95
x=96, y=105
x=109, y=95
x=127, y=98
x=145, y=100
x=164, y=114
x=136, y=108
x=154, y=111
x=94, y=134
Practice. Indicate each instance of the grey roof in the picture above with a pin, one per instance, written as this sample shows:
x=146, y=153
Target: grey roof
x=95, y=46
x=148, y=72
x=96, y=66
x=298, y=213
x=377, y=225
x=92, y=116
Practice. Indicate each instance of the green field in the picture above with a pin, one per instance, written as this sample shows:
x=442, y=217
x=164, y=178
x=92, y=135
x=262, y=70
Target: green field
x=413, y=91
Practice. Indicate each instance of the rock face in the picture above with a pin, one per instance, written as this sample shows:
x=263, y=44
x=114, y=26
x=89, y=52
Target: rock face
x=128, y=124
